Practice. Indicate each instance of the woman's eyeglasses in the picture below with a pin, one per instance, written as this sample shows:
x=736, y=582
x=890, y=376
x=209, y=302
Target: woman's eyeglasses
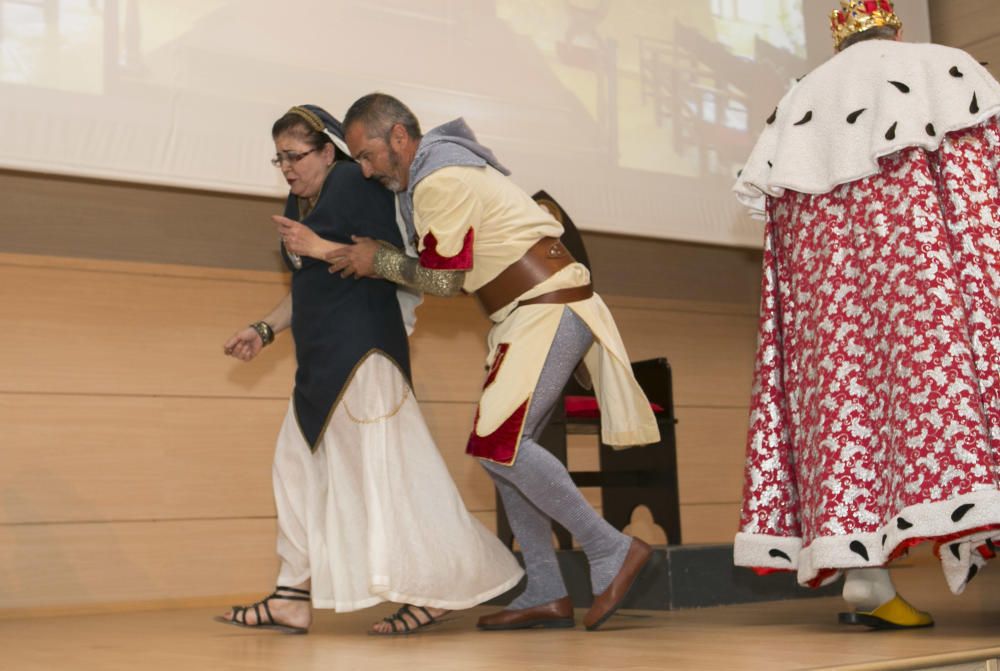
x=289, y=157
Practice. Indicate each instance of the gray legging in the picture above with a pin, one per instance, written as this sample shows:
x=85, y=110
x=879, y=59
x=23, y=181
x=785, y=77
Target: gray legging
x=537, y=489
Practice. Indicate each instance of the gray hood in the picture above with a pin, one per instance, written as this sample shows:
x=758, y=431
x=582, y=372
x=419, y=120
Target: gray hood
x=449, y=144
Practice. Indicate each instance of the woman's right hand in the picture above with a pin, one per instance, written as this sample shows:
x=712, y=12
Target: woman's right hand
x=299, y=238
x=244, y=345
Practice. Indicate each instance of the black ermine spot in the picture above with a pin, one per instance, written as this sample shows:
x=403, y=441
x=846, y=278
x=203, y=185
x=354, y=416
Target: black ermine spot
x=853, y=116
x=959, y=512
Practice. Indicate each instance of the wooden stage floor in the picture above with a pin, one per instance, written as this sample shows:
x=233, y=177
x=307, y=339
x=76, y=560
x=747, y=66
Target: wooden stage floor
x=800, y=634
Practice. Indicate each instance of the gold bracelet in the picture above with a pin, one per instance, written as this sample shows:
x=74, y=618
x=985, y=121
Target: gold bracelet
x=265, y=332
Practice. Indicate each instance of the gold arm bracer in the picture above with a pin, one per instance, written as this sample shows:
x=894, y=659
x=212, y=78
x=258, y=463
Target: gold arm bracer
x=394, y=265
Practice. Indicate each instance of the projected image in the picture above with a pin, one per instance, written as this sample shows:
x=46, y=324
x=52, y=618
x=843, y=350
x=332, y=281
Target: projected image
x=55, y=44
x=88, y=46
x=635, y=114
x=668, y=83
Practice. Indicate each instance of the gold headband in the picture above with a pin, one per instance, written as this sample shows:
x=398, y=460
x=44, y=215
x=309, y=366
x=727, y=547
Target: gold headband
x=311, y=117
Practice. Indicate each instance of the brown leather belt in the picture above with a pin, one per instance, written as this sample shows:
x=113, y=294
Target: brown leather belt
x=542, y=260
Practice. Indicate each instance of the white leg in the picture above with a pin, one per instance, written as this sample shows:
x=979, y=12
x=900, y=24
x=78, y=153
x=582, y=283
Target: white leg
x=866, y=589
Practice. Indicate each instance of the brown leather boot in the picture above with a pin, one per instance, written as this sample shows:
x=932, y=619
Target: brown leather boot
x=554, y=614
x=607, y=602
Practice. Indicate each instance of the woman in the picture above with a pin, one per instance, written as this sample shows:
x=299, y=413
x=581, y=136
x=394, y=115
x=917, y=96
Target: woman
x=366, y=509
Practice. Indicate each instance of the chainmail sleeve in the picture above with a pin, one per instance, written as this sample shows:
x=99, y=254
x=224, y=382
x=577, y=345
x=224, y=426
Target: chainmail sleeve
x=394, y=265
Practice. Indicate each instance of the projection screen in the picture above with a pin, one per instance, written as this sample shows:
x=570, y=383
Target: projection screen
x=634, y=114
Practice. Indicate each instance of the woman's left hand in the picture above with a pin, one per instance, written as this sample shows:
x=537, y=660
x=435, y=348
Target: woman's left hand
x=299, y=238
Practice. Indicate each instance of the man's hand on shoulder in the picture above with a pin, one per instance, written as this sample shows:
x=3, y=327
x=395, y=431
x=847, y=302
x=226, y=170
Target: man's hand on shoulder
x=357, y=260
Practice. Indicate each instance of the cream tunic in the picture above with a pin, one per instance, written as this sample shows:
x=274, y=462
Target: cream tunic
x=505, y=222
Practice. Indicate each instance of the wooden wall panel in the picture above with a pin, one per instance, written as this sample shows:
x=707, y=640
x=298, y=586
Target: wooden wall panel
x=136, y=436
x=448, y=350
x=72, y=217
x=51, y=565
x=65, y=216
x=711, y=355
x=988, y=51
x=91, y=332
x=701, y=524
x=116, y=403
x=450, y=424
x=120, y=458
x=710, y=522
x=60, y=565
x=710, y=454
x=972, y=25
x=711, y=444
x=710, y=349
x=962, y=23
x=110, y=319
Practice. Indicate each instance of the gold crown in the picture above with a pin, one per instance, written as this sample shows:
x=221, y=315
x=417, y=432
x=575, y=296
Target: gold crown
x=857, y=16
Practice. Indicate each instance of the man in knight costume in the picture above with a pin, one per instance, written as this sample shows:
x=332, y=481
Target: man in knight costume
x=478, y=232
x=875, y=412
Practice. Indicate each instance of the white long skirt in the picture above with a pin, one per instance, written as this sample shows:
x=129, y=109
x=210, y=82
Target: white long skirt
x=373, y=514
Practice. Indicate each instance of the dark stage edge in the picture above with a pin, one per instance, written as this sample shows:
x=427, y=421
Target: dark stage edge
x=685, y=576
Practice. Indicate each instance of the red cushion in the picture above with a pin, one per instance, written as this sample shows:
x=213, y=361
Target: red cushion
x=585, y=407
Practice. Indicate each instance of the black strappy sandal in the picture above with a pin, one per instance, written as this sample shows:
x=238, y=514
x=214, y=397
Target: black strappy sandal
x=239, y=616
x=400, y=617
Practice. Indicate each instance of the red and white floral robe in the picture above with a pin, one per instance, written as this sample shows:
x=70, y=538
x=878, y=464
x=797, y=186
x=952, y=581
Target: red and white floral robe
x=875, y=411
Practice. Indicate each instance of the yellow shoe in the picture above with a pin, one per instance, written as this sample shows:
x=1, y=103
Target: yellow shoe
x=895, y=613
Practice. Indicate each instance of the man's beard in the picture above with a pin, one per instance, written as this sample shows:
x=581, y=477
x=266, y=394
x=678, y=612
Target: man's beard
x=391, y=181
